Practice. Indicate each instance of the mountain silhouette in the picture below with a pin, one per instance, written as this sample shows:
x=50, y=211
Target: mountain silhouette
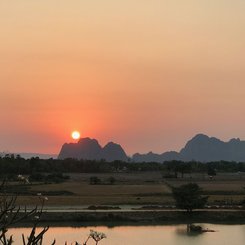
x=200, y=148
x=153, y=157
x=90, y=149
x=113, y=152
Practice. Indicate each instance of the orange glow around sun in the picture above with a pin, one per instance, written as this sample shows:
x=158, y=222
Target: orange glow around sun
x=75, y=135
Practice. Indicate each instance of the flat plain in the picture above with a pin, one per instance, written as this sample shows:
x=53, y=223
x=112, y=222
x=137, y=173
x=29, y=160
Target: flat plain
x=138, y=188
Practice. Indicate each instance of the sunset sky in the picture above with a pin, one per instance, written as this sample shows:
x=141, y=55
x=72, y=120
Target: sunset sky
x=148, y=74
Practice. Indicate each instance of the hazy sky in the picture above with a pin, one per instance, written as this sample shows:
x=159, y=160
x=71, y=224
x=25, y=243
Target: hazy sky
x=148, y=74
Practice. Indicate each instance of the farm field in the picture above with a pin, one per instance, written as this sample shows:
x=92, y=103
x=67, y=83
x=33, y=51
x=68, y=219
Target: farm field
x=139, y=188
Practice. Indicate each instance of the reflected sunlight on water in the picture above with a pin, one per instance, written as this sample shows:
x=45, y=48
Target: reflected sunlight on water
x=144, y=235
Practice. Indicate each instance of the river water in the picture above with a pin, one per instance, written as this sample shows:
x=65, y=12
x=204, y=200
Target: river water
x=143, y=235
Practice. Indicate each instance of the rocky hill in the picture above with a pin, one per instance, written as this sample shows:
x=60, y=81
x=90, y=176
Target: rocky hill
x=200, y=148
x=90, y=149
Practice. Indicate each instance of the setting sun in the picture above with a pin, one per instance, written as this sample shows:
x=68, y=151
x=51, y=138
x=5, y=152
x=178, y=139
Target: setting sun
x=75, y=135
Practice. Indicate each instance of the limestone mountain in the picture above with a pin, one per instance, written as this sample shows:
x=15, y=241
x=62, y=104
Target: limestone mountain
x=90, y=149
x=200, y=148
x=85, y=148
x=113, y=151
x=153, y=157
x=204, y=149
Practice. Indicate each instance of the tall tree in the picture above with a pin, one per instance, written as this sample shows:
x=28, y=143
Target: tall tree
x=189, y=197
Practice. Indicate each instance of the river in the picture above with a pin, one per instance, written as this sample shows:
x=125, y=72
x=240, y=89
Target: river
x=144, y=235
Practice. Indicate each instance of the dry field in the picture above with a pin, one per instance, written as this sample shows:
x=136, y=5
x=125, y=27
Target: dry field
x=225, y=187
x=139, y=188
x=133, y=188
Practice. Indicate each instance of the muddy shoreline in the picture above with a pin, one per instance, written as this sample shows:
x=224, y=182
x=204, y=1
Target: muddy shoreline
x=157, y=217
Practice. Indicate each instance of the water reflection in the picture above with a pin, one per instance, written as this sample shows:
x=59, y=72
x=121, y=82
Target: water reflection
x=145, y=235
x=189, y=230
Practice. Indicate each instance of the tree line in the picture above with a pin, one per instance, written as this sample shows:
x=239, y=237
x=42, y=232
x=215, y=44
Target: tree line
x=11, y=164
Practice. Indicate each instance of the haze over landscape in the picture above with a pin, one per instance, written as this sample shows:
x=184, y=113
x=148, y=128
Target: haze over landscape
x=122, y=122
x=146, y=74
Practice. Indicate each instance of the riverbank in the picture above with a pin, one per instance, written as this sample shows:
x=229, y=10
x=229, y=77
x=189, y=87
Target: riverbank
x=146, y=217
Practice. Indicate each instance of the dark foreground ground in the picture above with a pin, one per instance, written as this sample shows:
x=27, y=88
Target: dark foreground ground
x=145, y=217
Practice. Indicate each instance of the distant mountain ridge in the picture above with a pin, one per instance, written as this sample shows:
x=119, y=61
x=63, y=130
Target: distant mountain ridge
x=200, y=148
x=90, y=149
